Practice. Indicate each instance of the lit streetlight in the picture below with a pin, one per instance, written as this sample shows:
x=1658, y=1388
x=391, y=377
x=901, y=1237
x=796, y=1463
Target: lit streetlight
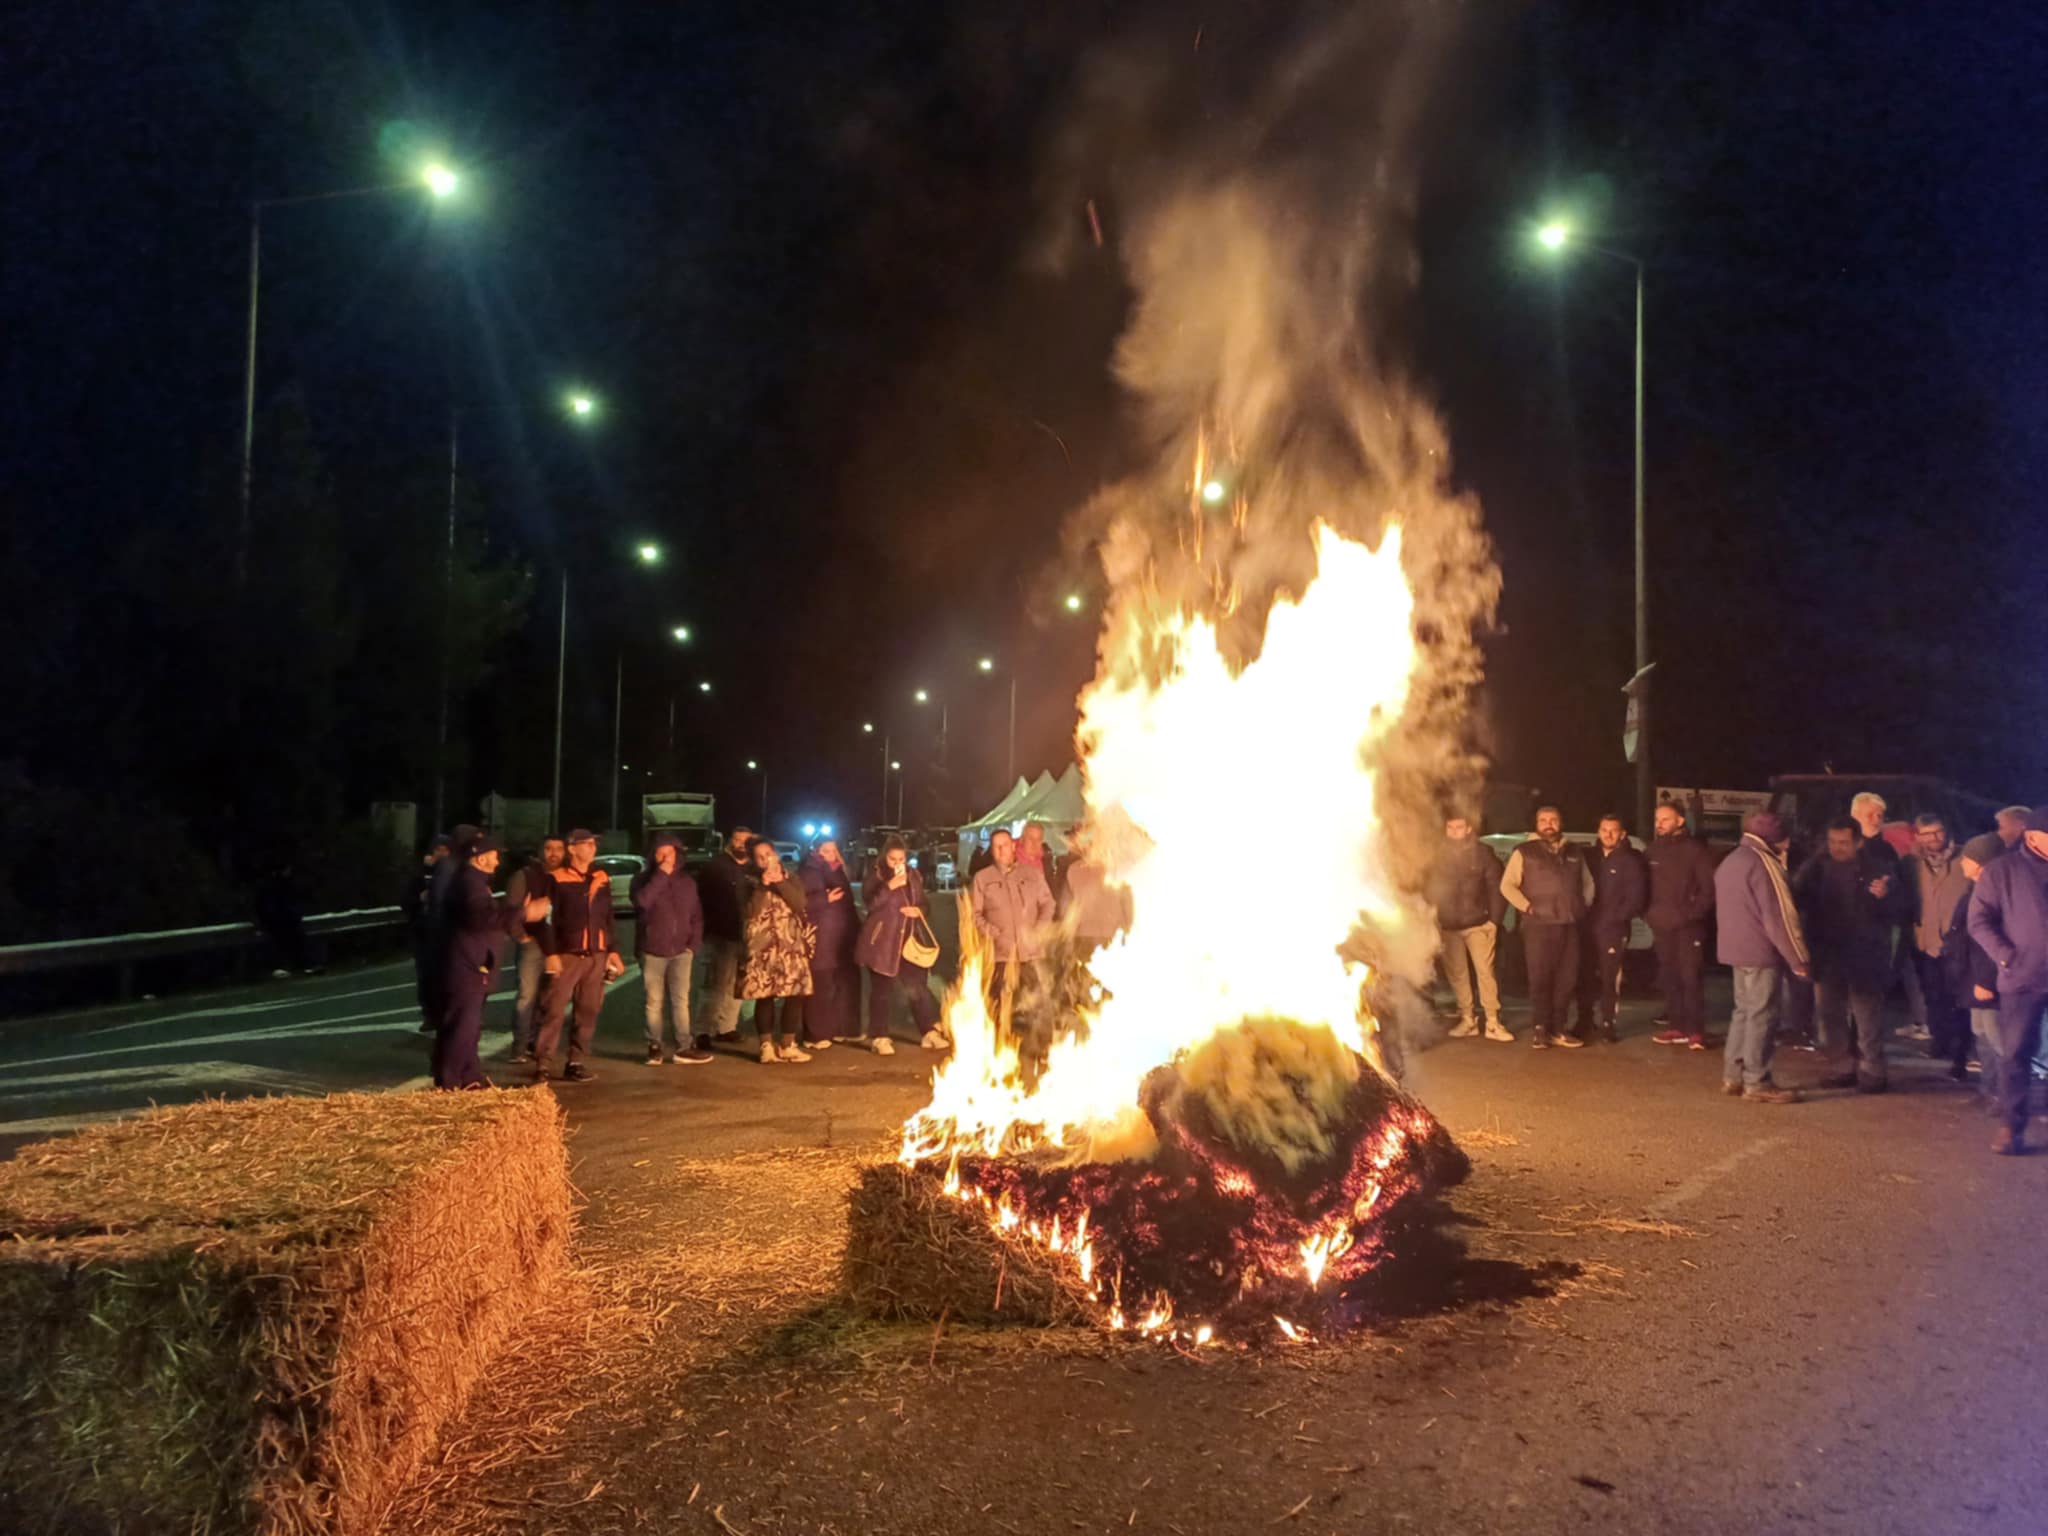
x=582, y=405
x=1214, y=491
x=1556, y=236
x=1073, y=602
x=439, y=181
x=987, y=664
x=754, y=766
x=650, y=554
x=681, y=634
x=703, y=687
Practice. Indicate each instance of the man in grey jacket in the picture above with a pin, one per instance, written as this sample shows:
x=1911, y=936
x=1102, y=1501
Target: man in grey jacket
x=2009, y=918
x=1012, y=907
x=1759, y=936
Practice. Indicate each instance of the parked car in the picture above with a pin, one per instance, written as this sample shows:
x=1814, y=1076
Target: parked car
x=792, y=854
x=622, y=867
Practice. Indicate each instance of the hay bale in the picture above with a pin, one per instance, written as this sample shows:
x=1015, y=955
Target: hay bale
x=916, y=1254
x=256, y=1316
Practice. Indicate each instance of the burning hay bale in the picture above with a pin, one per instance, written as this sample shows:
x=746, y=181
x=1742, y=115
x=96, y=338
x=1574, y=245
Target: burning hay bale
x=1285, y=1170
x=256, y=1316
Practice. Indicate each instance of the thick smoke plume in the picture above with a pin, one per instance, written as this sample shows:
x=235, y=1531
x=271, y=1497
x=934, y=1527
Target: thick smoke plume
x=1259, y=189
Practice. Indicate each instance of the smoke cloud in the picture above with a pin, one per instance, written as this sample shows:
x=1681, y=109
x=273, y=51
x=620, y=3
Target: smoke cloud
x=1260, y=191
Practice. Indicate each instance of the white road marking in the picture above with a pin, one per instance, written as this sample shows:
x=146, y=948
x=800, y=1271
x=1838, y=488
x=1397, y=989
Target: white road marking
x=267, y=1005
x=1691, y=1189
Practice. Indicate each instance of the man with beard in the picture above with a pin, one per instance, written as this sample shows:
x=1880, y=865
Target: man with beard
x=1548, y=883
x=1849, y=917
x=2009, y=917
x=1464, y=887
x=722, y=888
x=530, y=879
x=581, y=957
x=1933, y=878
x=1681, y=901
x=1621, y=889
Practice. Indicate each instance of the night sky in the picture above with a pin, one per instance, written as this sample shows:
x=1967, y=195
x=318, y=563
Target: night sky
x=794, y=249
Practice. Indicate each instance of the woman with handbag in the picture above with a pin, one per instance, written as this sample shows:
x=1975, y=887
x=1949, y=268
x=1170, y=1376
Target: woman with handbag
x=898, y=948
x=775, y=971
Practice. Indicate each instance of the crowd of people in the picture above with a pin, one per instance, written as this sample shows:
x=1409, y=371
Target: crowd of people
x=742, y=930
x=1961, y=932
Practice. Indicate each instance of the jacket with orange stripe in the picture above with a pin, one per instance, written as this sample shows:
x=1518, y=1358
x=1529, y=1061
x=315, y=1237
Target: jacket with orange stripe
x=581, y=922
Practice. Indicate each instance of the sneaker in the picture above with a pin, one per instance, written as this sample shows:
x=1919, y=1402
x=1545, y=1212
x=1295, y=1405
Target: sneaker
x=654, y=1058
x=821, y=1045
x=576, y=1072
x=1733, y=1090
x=1837, y=1080
x=1771, y=1093
x=1702, y=1043
x=523, y=1057
x=1495, y=1030
x=727, y=1036
x=935, y=1041
x=883, y=1046
x=701, y=1043
x=793, y=1052
x=768, y=1056
x=540, y=1072
x=1671, y=1037
x=1567, y=1041
x=1914, y=1032
x=1540, y=1041
x=2009, y=1143
x=1465, y=1030
x=692, y=1058
x=1607, y=1034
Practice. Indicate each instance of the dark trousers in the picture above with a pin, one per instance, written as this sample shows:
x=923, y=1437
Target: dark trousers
x=832, y=1012
x=460, y=1028
x=1948, y=1017
x=1681, y=975
x=914, y=982
x=580, y=981
x=1606, y=954
x=1552, y=953
x=1849, y=1013
x=426, y=974
x=2019, y=1041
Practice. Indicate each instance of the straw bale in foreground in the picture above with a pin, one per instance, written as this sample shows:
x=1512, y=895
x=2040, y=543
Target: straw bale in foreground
x=917, y=1254
x=256, y=1316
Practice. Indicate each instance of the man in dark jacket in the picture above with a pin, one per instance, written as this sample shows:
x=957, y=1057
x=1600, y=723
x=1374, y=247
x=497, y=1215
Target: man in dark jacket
x=723, y=890
x=1759, y=938
x=2009, y=917
x=1621, y=890
x=473, y=924
x=581, y=957
x=1681, y=901
x=1850, y=909
x=670, y=927
x=417, y=903
x=1464, y=887
x=1547, y=881
x=1971, y=974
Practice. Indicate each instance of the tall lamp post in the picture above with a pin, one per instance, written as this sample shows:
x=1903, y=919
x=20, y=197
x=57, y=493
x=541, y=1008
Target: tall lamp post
x=754, y=766
x=987, y=664
x=1555, y=237
x=868, y=729
x=438, y=180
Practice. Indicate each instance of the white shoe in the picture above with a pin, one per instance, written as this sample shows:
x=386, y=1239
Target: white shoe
x=934, y=1041
x=821, y=1045
x=793, y=1052
x=1465, y=1030
x=1495, y=1030
x=883, y=1046
x=768, y=1056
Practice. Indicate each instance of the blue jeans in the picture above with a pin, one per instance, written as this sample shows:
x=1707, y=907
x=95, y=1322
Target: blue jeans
x=531, y=961
x=666, y=979
x=1984, y=1025
x=1751, y=1032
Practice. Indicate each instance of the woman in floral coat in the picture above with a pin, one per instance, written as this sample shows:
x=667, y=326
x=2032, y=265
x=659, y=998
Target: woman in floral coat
x=776, y=970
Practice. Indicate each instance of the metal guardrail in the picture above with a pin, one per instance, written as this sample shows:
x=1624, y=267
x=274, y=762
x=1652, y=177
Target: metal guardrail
x=124, y=950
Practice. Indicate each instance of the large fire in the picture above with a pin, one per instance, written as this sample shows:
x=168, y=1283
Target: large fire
x=1210, y=1137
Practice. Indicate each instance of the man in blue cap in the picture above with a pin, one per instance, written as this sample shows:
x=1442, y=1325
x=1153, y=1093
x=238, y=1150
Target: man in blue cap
x=473, y=922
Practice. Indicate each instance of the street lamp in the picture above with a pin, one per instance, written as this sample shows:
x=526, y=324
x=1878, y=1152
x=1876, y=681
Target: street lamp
x=753, y=766
x=440, y=183
x=1555, y=236
x=703, y=687
x=681, y=634
x=650, y=554
x=1073, y=602
x=582, y=405
x=1213, y=491
x=988, y=665
x=923, y=696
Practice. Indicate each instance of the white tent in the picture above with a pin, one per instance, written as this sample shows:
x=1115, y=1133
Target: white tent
x=1055, y=804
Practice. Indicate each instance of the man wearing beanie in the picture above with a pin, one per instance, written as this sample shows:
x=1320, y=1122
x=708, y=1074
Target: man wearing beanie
x=2009, y=917
x=1759, y=936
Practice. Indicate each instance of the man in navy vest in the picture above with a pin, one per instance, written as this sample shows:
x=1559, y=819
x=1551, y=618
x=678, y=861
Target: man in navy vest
x=1547, y=881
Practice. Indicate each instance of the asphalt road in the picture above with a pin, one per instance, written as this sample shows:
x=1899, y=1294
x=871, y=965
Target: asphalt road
x=1821, y=1317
